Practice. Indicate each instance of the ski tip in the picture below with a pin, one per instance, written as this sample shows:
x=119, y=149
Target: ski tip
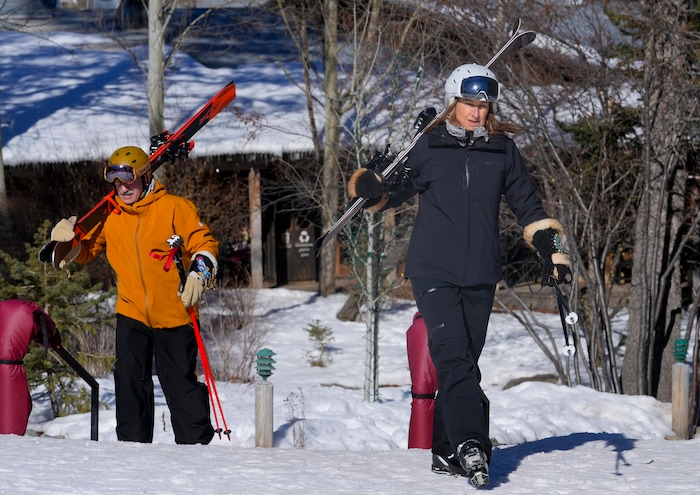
x=46, y=252
x=516, y=26
x=527, y=37
x=231, y=87
x=318, y=245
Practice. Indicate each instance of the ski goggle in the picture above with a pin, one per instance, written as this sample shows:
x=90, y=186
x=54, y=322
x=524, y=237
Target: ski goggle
x=122, y=173
x=480, y=88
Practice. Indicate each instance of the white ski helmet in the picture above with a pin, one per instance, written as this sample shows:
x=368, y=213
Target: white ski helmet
x=472, y=81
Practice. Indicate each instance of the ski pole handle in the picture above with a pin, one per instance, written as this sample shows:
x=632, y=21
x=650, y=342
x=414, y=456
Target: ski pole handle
x=175, y=242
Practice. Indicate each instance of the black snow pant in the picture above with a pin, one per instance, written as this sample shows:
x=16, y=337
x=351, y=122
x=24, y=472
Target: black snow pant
x=457, y=319
x=175, y=351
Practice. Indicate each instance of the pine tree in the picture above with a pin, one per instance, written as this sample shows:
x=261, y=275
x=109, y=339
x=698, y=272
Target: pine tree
x=82, y=314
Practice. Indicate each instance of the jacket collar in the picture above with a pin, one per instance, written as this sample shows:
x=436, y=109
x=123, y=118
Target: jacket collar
x=440, y=137
x=154, y=193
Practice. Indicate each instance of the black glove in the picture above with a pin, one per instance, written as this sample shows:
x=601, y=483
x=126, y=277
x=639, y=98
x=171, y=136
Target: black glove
x=365, y=183
x=368, y=184
x=424, y=118
x=555, y=263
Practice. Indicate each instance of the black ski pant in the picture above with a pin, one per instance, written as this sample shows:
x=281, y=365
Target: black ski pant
x=457, y=318
x=175, y=352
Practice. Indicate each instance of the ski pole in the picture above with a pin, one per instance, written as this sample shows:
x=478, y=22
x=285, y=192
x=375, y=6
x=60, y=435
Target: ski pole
x=569, y=318
x=209, y=377
x=174, y=255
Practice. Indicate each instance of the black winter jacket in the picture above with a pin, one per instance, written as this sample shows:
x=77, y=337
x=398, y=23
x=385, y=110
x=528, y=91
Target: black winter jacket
x=456, y=233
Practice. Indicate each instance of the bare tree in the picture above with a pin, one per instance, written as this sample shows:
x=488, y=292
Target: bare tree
x=663, y=221
x=582, y=166
x=616, y=175
x=364, y=47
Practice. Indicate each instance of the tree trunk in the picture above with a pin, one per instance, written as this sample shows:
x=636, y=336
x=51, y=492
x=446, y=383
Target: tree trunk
x=655, y=304
x=156, y=78
x=331, y=142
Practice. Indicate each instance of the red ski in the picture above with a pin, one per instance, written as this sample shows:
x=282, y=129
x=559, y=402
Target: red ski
x=56, y=252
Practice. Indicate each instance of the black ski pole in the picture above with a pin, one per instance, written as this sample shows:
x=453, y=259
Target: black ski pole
x=567, y=317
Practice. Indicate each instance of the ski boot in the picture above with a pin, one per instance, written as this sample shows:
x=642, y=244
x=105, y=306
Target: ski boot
x=473, y=460
x=443, y=464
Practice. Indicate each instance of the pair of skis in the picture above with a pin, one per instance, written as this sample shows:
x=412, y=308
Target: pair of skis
x=517, y=41
x=60, y=253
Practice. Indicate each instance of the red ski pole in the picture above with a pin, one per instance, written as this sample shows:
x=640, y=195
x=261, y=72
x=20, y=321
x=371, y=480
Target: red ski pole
x=175, y=255
x=209, y=377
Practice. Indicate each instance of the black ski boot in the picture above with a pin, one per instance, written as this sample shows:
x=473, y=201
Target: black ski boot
x=443, y=464
x=473, y=460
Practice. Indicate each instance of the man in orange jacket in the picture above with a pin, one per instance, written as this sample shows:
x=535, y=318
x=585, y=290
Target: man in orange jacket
x=152, y=315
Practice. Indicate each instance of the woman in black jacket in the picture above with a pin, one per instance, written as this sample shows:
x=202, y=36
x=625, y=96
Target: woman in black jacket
x=460, y=168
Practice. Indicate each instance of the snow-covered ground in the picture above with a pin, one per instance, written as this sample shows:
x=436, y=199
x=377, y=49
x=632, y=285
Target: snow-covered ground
x=552, y=439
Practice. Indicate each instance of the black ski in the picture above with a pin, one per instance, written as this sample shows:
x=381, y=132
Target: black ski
x=516, y=42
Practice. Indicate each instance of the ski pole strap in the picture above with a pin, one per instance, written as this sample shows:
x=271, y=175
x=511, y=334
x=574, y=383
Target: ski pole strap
x=170, y=254
x=432, y=396
x=11, y=361
x=173, y=255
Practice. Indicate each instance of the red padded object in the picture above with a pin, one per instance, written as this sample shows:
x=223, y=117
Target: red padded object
x=423, y=383
x=20, y=323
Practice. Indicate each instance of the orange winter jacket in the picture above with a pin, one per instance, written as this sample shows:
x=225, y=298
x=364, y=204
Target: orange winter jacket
x=146, y=292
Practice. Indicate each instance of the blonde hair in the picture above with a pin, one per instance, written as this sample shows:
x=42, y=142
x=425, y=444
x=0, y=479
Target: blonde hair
x=492, y=124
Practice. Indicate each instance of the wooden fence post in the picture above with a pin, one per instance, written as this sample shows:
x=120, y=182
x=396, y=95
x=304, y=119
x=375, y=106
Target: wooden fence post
x=680, y=397
x=263, y=414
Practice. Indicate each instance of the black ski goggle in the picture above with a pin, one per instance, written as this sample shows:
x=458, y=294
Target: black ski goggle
x=122, y=173
x=480, y=88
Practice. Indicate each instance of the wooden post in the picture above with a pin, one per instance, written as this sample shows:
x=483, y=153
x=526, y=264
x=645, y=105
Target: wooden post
x=680, y=397
x=263, y=414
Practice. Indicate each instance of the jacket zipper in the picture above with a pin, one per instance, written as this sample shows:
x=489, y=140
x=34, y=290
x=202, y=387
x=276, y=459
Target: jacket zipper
x=466, y=169
x=140, y=267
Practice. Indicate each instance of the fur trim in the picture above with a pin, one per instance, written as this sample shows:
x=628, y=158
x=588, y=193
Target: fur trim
x=561, y=259
x=546, y=223
x=380, y=202
x=352, y=183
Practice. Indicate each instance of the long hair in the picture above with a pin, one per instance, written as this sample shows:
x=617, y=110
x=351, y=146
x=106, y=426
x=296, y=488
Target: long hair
x=493, y=125
x=498, y=128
